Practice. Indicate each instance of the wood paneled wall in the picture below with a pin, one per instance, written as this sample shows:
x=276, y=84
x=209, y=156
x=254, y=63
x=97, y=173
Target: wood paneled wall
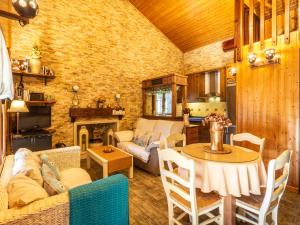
x=268, y=101
x=5, y=24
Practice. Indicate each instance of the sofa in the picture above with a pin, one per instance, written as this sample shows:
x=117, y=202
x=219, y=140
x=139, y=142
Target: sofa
x=146, y=158
x=54, y=210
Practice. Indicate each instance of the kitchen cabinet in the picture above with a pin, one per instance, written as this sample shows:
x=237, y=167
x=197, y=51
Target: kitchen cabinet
x=192, y=134
x=206, y=84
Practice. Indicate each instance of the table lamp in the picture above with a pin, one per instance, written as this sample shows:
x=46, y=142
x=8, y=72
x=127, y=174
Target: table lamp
x=18, y=106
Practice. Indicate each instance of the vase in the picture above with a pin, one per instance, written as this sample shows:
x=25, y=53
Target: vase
x=216, y=136
x=186, y=119
x=35, y=65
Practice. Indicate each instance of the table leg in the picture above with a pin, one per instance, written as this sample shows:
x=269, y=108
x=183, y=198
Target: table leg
x=229, y=210
x=88, y=162
x=105, y=170
x=130, y=172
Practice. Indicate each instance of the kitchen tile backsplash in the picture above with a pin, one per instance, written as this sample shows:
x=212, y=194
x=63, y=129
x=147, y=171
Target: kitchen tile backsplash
x=202, y=109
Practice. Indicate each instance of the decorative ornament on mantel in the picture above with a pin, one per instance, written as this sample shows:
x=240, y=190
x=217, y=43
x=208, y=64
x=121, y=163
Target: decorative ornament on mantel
x=26, y=8
x=217, y=125
x=35, y=60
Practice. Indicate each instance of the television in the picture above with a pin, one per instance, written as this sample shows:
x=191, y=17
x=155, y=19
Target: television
x=38, y=117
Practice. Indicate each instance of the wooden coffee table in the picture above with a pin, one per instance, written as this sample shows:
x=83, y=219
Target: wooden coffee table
x=110, y=162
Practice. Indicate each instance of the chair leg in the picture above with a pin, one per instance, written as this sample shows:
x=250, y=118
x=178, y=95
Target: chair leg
x=171, y=213
x=195, y=219
x=221, y=211
x=275, y=215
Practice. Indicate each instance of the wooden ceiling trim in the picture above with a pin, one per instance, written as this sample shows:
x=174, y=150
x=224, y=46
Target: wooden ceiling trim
x=190, y=24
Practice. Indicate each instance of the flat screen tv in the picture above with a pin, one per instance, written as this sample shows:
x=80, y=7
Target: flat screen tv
x=38, y=117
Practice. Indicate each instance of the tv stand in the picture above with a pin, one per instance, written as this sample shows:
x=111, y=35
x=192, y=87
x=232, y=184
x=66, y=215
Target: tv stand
x=34, y=140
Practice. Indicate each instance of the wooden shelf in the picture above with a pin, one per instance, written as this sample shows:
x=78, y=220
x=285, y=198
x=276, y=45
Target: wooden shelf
x=23, y=21
x=91, y=112
x=25, y=74
x=41, y=102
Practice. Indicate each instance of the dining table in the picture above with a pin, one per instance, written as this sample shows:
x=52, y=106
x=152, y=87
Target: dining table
x=238, y=172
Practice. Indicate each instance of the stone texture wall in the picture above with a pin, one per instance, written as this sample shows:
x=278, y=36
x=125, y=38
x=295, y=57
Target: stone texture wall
x=206, y=58
x=104, y=47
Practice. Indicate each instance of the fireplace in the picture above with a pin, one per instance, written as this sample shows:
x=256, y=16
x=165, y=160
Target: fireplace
x=94, y=133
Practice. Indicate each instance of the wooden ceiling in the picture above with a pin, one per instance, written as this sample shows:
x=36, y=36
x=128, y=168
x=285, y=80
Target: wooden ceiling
x=190, y=24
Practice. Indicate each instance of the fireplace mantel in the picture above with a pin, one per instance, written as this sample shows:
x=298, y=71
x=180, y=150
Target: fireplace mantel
x=94, y=112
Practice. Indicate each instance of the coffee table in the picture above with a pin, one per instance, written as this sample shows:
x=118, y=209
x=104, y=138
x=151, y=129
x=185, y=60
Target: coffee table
x=110, y=162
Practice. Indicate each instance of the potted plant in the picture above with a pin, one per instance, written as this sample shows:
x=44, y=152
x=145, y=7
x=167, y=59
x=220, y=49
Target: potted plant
x=35, y=60
x=186, y=116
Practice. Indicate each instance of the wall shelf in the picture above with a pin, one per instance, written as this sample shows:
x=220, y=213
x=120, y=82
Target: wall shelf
x=25, y=74
x=22, y=20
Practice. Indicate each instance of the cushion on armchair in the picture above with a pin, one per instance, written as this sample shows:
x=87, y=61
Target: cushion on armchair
x=126, y=135
x=25, y=162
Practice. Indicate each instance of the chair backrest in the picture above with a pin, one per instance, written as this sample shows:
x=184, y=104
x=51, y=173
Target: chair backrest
x=276, y=184
x=250, y=138
x=173, y=139
x=172, y=182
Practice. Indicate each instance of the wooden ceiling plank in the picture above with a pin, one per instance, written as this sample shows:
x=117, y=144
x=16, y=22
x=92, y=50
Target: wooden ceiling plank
x=190, y=24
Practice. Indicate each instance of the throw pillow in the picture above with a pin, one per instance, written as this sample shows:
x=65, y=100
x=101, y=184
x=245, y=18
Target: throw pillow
x=51, y=165
x=23, y=190
x=74, y=177
x=29, y=164
x=141, y=139
x=51, y=184
x=155, y=136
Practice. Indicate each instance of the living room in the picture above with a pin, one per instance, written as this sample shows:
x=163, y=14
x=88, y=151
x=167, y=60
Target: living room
x=126, y=79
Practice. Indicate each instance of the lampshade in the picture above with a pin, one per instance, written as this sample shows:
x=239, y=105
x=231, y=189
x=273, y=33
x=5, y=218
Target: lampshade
x=26, y=8
x=18, y=106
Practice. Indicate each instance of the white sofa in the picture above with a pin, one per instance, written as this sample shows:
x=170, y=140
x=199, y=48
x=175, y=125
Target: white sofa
x=147, y=158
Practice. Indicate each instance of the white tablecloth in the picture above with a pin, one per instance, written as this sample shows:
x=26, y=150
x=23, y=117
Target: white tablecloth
x=229, y=178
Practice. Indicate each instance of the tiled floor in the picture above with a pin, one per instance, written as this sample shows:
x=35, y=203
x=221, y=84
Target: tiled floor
x=148, y=204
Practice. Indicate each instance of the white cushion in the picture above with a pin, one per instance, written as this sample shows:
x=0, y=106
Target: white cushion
x=6, y=173
x=136, y=150
x=163, y=127
x=145, y=125
x=74, y=177
x=29, y=164
x=126, y=135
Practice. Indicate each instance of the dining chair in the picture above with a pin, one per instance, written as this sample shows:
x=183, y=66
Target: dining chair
x=256, y=207
x=250, y=138
x=182, y=194
x=173, y=140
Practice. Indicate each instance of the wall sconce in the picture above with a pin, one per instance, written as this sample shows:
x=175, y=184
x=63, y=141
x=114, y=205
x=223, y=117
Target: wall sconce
x=270, y=54
x=26, y=8
x=252, y=58
x=233, y=71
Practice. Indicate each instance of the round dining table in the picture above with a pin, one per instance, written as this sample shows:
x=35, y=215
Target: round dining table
x=239, y=172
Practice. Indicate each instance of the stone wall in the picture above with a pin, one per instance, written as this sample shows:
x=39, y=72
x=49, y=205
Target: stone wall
x=104, y=47
x=206, y=58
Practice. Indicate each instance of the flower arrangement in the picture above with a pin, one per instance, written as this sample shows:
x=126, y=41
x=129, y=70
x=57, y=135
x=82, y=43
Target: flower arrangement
x=35, y=52
x=186, y=111
x=220, y=119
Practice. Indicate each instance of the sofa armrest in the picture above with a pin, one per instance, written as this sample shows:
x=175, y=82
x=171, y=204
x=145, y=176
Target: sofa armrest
x=154, y=144
x=49, y=210
x=64, y=158
x=122, y=136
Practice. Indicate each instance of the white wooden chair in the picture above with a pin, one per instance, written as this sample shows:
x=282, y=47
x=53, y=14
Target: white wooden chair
x=182, y=193
x=257, y=208
x=250, y=138
x=172, y=141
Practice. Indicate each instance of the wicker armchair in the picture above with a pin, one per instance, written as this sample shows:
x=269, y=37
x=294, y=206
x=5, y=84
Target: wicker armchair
x=53, y=210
